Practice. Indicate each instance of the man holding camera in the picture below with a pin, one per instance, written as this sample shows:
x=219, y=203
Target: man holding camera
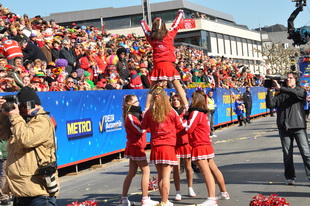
x=291, y=121
x=31, y=170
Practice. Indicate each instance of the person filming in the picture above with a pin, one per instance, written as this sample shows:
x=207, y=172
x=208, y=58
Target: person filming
x=31, y=162
x=291, y=122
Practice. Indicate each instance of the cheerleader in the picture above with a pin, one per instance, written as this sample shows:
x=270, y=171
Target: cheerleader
x=163, y=123
x=136, y=142
x=198, y=129
x=162, y=41
x=183, y=151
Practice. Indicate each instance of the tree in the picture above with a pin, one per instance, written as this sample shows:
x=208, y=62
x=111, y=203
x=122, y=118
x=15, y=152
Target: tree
x=277, y=57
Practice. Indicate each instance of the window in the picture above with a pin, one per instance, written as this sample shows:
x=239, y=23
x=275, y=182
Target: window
x=135, y=20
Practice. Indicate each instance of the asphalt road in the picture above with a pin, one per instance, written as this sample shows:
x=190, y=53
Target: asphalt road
x=249, y=157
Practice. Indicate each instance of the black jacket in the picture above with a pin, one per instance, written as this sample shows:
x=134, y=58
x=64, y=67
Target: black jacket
x=289, y=103
x=122, y=68
x=32, y=52
x=247, y=99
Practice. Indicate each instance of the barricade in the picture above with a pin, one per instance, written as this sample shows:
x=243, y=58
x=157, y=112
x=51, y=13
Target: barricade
x=90, y=123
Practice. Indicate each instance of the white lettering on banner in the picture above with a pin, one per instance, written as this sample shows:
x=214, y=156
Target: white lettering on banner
x=109, y=118
x=108, y=124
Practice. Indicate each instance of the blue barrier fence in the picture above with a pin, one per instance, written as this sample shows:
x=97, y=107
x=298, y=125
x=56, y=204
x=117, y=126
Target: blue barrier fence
x=90, y=124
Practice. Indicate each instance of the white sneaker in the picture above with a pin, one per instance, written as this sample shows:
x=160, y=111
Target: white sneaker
x=168, y=203
x=212, y=136
x=223, y=196
x=124, y=202
x=149, y=202
x=191, y=192
x=209, y=202
x=289, y=182
x=178, y=197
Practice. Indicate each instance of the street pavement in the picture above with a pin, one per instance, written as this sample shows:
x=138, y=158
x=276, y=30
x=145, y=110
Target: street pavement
x=250, y=158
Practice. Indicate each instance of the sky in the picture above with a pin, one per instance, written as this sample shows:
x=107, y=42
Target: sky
x=252, y=13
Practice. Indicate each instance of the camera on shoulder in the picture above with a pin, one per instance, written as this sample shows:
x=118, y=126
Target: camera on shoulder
x=268, y=82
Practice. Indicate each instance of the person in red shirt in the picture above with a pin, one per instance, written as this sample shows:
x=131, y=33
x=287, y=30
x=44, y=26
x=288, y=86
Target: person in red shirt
x=162, y=41
x=136, y=142
x=183, y=151
x=163, y=123
x=198, y=129
x=10, y=49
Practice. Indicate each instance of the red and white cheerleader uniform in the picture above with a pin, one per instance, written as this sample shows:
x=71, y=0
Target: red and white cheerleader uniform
x=163, y=137
x=183, y=149
x=164, y=52
x=198, y=130
x=136, y=139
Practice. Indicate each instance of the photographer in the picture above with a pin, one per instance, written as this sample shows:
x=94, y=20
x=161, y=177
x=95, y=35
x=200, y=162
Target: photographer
x=291, y=122
x=31, y=177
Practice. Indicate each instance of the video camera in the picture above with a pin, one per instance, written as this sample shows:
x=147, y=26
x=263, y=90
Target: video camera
x=268, y=83
x=300, y=2
x=9, y=104
x=11, y=99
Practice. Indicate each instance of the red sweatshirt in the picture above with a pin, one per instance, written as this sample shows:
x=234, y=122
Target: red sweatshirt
x=163, y=133
x=135, y=135
x=163, y=50
x=198, y=128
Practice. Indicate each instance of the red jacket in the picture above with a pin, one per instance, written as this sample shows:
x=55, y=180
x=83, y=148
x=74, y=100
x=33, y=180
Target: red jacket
x=163, y=50
x=135, y=81
x=163, y=133
x=182, y=136
x=198, y=129
x=135, y=135
x=11, y=49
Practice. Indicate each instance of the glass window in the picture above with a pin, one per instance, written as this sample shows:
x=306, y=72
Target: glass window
x=135, y=20
x=167, y=16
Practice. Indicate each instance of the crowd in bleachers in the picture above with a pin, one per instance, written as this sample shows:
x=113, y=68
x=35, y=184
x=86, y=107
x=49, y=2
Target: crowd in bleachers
x=48, y=57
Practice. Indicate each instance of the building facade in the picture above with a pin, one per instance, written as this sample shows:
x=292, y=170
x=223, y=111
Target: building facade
x=214, y=31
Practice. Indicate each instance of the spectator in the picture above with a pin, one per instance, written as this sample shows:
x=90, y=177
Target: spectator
x=4, y=198
x=18, y=61
x=10, y=49
x=212, y=107
x=101, y=85
x=122, y=67
x=32, y=52
x=70, y=85
x=247, y=98
x=47, y=50
x=239, y=110
x=113, y=85
x=55, y=50
x=66, y=53
x=26, y=81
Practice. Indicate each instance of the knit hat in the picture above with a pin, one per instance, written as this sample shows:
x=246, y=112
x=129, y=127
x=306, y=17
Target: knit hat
x=61, y=63
x=86, y=74
x=28, y=94
x=80, y=72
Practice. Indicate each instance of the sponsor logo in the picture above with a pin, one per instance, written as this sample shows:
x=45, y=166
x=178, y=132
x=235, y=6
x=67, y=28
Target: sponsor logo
x=79, y=128
x=109, y=124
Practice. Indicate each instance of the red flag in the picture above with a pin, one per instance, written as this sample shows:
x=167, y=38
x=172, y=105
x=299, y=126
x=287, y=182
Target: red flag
x=188, y=24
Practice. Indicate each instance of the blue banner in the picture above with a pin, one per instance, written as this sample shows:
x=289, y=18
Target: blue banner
x=90, y=123
x=304, y=68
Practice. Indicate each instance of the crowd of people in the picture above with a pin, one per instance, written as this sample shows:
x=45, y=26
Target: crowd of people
x=39, y=55
x=49, y=57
